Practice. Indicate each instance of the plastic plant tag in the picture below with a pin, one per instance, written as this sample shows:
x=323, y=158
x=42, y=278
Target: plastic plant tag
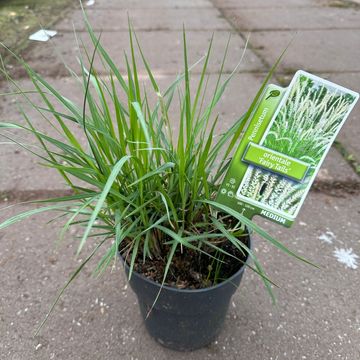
x=286, y=140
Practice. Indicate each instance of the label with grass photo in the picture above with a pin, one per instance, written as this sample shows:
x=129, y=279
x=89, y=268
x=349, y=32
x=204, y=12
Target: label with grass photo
x=272, y=171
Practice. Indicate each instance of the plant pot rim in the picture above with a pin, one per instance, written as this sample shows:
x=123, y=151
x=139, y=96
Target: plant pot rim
x=174, y=289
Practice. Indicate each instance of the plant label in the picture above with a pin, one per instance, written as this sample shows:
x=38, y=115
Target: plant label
x=286, y=140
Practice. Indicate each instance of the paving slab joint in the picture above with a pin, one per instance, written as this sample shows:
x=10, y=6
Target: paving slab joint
x=16, y=196
x=350, y=158
x=333, y=188
x=254, y=49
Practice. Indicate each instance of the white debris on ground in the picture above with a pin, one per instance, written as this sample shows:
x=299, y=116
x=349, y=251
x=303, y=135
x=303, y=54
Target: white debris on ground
x=103, y=306
x=42, y=35
x=90, y=2
x=327, y=237
x=346, y=257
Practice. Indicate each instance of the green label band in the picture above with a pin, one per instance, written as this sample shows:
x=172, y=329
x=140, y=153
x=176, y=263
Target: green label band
x=275, y=161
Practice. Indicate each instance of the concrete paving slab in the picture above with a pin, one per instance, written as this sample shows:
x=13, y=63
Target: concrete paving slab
x=21, y=172
x=234, y=103
x=235, y=100
x=48, y=58
x=11, y=106
x=16, y=178
x=350, y=133
x=293, y=18
x=151, y=19
x=314, y=51
x=19, y=169
x=316, y=317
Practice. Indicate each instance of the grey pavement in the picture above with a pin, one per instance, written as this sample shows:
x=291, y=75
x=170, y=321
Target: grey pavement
x=50, y=58
x=317, y=316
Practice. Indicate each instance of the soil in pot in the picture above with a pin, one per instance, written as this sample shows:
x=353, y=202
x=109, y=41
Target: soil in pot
x=190, y=269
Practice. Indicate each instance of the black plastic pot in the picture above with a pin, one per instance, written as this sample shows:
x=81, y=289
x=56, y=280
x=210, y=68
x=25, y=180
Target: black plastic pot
x=182, y=319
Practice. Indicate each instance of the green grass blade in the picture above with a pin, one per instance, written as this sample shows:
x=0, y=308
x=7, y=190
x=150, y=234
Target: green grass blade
x=114, y=173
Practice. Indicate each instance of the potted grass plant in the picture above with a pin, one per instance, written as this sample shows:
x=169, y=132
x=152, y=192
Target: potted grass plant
x=143, y=175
